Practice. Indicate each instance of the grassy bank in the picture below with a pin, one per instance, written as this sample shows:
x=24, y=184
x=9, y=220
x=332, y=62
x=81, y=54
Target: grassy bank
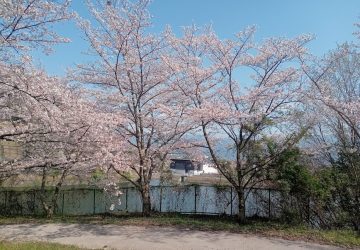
x=6, y=245
x=344, y=237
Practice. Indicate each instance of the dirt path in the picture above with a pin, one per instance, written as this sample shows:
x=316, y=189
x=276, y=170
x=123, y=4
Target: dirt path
x=131, y=237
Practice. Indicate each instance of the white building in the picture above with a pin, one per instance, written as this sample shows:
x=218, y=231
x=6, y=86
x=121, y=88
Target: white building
x=188, y=168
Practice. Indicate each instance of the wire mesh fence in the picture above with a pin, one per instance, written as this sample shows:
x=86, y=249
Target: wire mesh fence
x=189, y=199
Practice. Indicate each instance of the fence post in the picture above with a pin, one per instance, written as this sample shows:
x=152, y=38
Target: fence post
x=126, y=199
x=308, y=210
x=8, y=202
x=63, y=201
x=5, y=203
x=94, y=202
x=160, y=197
x=104, y=199
x=269, y=203
x=34, y=202
x=195, y=198
x=231, y=200
x=20, y=201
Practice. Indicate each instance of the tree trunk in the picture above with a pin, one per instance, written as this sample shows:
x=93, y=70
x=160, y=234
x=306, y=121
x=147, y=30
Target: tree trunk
x=241, y=214
x=49, y=209
x=145, y=194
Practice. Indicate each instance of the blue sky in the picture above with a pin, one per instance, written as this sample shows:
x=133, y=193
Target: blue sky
x=331, y=21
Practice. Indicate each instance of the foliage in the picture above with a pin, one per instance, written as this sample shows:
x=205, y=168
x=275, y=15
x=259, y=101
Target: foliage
x=293, y=175
x=335, y=137
x=345, y=188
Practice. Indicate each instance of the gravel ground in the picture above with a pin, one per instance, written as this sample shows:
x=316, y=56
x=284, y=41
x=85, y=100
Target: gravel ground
x=133, y=237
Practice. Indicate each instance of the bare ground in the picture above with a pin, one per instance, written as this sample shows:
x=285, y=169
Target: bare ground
x=135, y=237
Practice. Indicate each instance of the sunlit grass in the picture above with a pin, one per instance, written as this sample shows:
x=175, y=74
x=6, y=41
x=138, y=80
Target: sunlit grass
x=7, y=245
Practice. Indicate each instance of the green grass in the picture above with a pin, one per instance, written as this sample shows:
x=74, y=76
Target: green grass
x=343, y=237
x=6, y=245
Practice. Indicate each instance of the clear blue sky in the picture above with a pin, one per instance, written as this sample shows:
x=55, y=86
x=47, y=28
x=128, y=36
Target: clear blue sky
x=331, y=21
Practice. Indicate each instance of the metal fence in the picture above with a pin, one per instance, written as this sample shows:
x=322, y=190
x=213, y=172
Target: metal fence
x=189, y=199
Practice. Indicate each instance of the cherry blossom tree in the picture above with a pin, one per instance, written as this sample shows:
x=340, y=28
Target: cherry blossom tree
x=54, y=124
x=130, y=77
x=25, y=25
x=242, y=95
x=334, y=142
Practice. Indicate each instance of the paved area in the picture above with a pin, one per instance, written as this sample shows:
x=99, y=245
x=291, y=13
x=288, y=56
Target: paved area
x=148, y=238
